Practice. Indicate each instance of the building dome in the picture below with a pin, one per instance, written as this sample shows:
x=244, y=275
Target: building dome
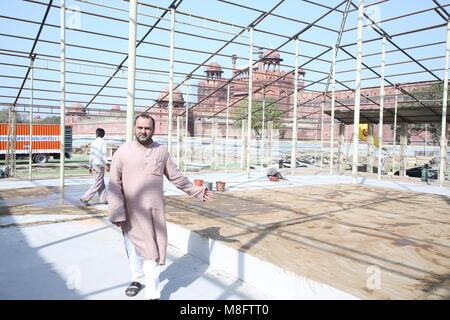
x=76, y=108
x=163, y=99
x=273, y=56
x=213, y=71
x=214, y=67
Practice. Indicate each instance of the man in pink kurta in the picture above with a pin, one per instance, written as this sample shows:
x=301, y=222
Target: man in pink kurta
x=136, y=202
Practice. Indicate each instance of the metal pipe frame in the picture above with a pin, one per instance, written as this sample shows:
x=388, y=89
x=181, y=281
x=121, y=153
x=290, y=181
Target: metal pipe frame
x=444, y=125
x=62, y=155
x=382, y=94
x=357, y=94
x=439, y=9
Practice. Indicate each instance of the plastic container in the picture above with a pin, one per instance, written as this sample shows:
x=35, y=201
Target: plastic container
x=198, y=182
x=220, y=186
x=209, y=185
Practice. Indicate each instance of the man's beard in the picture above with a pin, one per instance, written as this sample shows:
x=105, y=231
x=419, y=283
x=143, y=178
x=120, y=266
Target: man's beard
x=144, y=141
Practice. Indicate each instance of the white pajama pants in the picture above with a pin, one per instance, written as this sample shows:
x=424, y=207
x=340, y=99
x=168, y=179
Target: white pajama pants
x=143, y=271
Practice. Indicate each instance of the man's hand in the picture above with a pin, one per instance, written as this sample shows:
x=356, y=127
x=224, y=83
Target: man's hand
x=118, y=223
x=207, y=195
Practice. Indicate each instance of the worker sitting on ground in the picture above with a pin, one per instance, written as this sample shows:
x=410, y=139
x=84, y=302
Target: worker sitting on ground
x=274, y=170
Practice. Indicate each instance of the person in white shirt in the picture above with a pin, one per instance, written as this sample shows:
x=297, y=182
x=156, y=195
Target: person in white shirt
x=274, y=170
x=97, y=165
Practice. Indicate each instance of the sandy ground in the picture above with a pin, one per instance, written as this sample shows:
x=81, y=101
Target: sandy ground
x=341, y=235
x=384, y=239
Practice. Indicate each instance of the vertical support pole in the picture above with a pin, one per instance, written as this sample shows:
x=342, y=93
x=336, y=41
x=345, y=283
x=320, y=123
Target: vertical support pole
x=322, y=108
x=395, y=133
x=227, y=128
x=294, y=118
x=381, y=121
x=132, y=22
x=215, y=125
x=179, y=141
x=444, y=128
x=213, y=160
x=250, y=102
x=403, y=147
x=357, y=93
x=201, y=140
x=269, y=141
x=186, y=131
x=263, y=131
x=63, y=92
x=333, y=103
x=341, y=146
x=370, y=145
x=171, y=58
x=30, y=143
x=243, y=143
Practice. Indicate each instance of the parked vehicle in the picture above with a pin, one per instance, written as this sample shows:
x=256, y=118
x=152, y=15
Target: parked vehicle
x=416, y=172
x=299, y=164
x=45, y=141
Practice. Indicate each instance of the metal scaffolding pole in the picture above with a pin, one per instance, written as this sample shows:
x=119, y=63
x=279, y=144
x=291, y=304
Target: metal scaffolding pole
x=403, y=147
x=381, y=121
x=333, y=103
x=357, y=93
x=269, y=140
x=214, y=127
x=250, y=102
x=341, y=146
x=62, y=155
x=322, y=109
x=395, y=133
x=226, y=129
x=294, y=123
x=370, y=145
x=131, y=69
x=444, y=128
x=171, y=66
x=243, y=143
x=186, y=131
x=263, y=131
x=179, y=141
x=30, y=139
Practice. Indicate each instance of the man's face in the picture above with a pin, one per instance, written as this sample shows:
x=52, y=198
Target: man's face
x=144, y=130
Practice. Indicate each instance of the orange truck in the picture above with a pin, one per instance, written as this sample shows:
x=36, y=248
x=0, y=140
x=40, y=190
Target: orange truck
x=45, y=141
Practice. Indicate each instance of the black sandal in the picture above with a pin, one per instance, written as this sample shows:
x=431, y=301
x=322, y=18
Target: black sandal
x=133, y=289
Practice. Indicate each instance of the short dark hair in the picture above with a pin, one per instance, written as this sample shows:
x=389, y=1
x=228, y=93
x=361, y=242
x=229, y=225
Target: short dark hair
x=145, y=116
x=100, y=132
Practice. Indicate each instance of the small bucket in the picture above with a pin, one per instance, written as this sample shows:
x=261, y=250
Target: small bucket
x=220, y=186
x=209, y=185
x=198, y=182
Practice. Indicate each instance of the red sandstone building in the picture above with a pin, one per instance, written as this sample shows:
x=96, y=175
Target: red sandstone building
x=279, y=85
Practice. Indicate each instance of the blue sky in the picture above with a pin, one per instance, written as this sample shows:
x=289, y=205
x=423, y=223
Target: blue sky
x=147, y=90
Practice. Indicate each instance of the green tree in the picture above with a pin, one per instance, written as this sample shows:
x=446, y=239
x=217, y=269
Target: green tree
x=50, y=120
x=271, y=110
x=430, y=96
x=4, y=116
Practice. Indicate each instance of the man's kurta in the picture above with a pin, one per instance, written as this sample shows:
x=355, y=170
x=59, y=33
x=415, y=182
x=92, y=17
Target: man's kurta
x=136, y=195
